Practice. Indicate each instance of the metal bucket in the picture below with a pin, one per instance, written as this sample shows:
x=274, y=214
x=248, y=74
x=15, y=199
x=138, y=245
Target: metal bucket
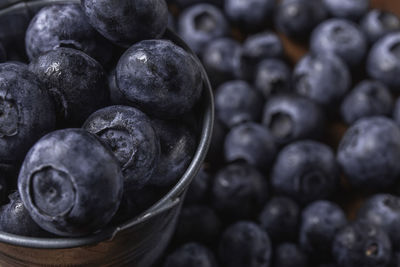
x=138, y=242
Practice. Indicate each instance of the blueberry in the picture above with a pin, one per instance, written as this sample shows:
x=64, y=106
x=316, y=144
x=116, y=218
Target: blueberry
x=297, y=18
x=191, y=254
x=221, y=59
x=306, y=171
x=126, y=22
x=26, y=112
x=252, y=143
x=272, y=76
x=341, y=37
x=159, y=77
x=65, y=25
x=280, y=218
x=320, y=221
x=70, y=183
x=237, y=102
x=171, y=22
x=361, y=244
x=200, y=24
x=178, y=145
x=368, y=98
x=369, y=153
x=383, y=210
x=198, y=223
x=3, y=186
x=291, y=117
x=187, y=3
x=3, y=54
x=239, y=191
x=396, y=111
x=324, y=78
x=383, y=63
x=131, y=137
x=198, y=191
x=245, y=244
x=249, y=15
x=76, y=81
x=257, y=47
x=15, y=219
x=215, y=155
x=377, y=23
x=347, y=9
x=289, y=255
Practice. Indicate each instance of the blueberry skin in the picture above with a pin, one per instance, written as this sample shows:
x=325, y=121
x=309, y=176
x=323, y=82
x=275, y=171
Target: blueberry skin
x=280, y=219
x=245, y=244
x=131, y=136
x=159, y=77
x=70, y=183
x=272, y=76
x=289, y=255
x=15, y=219
x=200, y=24
x=221, y=59
x=27, y=111
x=76, y=81
x=324, y=78
x=3, y=53
x=199, y=189
x=368, y=98
x=361, y=244
x=237, y=102
x=127, y=22
x=396, y=112
x=306, y=171
x=347, y=9
x=383, y=63
x=297, y=18
x=197, y=223
x=191, y=254
x=250, y=15
x=377, y=23
x=320, y=221
x=290, y=117
x=65, y=25
x=358, y=150
x=341, y=37
x=383, y=210
x=257, y=47
x=239, y=191
x=252, y=143
x=178, y=145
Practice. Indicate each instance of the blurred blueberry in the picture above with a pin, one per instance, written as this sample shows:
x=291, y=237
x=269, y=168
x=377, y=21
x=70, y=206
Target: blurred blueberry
x=369, y=153
x=396, y=112
x=252, y=143
x=187, y=3
x=291, y=117
x=257, y=47
x=377, y=23
x=289, y=255
x=191, y=255
x=324, y=78
x=383, y=63
x=347, y=9
x=215, y=154
x=306, y=171
x=280, y=219
x=272, y=76
x=65, y=25
x=221, y=59
x=320, y=221
x=171, y=22
x=245, y=244
x=200, y=24
x=249, y=15
x=239, y=191
x=368, y=98
x=341, y=37
x=237, y=102
x=126, y=22
x=297, y=18
x=361, y=244
x=159, y=77
x=199, y=189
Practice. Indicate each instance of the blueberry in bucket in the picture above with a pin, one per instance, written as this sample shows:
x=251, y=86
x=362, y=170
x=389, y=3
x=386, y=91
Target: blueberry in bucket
x=70, y=183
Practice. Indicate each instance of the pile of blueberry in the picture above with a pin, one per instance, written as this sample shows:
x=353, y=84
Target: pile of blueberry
x=304, y=168
x=98, y=119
